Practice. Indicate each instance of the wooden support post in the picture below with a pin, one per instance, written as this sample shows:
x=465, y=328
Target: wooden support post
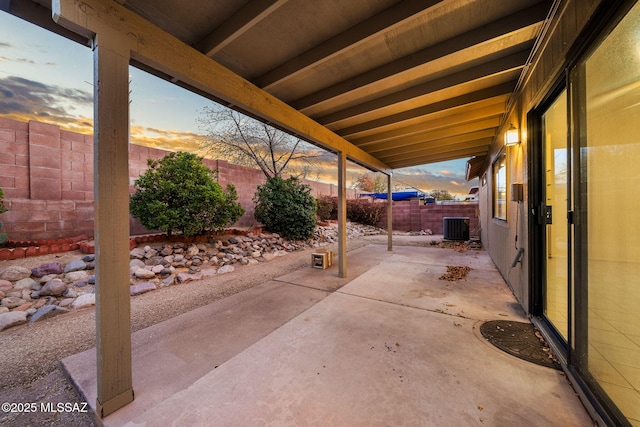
x=111, y=177
x=389, y=214
x=342, y=214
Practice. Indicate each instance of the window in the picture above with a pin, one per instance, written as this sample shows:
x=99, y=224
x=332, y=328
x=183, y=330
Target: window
x=500, y=187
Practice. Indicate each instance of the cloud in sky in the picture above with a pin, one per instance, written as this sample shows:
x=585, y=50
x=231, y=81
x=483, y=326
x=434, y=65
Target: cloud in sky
x=426, y=179
x=25, y=99
x=24, y=61
x=170, y=140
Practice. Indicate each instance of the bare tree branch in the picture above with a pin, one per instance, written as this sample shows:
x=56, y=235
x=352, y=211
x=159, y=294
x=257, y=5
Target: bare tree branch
x=248, y=142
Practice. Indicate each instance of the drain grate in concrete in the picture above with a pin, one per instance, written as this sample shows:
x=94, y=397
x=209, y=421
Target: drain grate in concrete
x=519, y=339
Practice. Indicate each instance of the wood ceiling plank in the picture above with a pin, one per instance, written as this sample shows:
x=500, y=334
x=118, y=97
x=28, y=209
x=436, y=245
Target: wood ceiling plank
x=502, y=90
x=453, y=155
x=372, y=27
x=434, y=124
x=534, y=15
x=238, y=24
x=497, y=66
x=472, y=139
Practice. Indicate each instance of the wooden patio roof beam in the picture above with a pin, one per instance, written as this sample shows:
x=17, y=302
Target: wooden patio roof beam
x=434, y=124
x=502, y=91
x=453, y=155
x=439, y=147
x=489, y=125
x=506, y=64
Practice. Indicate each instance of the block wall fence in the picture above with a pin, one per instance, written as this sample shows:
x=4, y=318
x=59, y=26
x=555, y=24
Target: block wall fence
x=47, y=177
x=412, y=215
x=46, y=174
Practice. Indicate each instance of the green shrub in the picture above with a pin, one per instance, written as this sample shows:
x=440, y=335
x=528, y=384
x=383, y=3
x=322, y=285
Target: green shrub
x=327, y=208
x=286, y=206
x=179, y=193
x=358, y=210
x=365, y=212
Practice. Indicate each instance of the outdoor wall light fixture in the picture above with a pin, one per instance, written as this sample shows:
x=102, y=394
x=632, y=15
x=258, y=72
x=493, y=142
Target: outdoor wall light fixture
x=511, y=136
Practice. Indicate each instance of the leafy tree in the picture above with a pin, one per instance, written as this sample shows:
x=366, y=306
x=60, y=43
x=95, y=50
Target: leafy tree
x=286, y=206
x=441, y=195
x=249, y=142
x=369, y=184
x=179, y=193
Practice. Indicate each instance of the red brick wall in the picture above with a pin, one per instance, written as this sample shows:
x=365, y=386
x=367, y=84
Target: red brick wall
x=412, y=215
x=47, y=177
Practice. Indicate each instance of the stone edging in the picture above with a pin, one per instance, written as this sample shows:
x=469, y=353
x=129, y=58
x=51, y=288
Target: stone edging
x=84, y=244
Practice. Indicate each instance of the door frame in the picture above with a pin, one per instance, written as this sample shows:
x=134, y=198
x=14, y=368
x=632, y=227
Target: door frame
x=537, y=227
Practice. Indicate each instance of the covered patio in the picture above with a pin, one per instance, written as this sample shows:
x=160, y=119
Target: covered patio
x=393, y=344
x=386, y=84
x=389, y=84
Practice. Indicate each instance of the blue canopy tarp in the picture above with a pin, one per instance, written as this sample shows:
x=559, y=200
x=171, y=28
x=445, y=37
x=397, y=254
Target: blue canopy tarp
x=396, y=195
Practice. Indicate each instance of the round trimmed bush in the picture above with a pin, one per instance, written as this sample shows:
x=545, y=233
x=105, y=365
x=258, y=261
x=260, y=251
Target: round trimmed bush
x=286, y=206
x=179, y=193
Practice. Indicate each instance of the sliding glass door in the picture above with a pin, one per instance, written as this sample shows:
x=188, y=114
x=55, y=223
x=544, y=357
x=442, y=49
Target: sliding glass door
x=586, y=218
x=556, y=256
x=609, y=147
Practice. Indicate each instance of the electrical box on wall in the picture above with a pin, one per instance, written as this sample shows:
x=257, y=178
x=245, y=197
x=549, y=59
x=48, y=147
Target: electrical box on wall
x=517, y=192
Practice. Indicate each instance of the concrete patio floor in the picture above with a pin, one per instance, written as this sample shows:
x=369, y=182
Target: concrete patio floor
x=389, y=345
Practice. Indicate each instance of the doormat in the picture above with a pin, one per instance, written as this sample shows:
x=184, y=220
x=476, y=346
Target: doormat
x=519, y=339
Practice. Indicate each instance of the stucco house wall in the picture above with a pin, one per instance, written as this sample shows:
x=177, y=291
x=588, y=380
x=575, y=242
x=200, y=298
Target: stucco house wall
x=499, y=236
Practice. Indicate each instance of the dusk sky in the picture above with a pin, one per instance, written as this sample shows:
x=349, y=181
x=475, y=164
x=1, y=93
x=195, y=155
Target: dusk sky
x=48, y=78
